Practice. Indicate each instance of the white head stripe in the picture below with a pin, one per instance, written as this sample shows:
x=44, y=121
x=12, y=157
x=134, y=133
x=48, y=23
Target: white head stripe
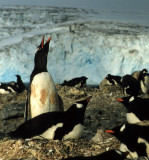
x=122, y=128
x=79, y=105
x=132, y=99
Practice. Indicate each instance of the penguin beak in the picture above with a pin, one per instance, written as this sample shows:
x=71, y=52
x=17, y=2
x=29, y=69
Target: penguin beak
x=42, y=42
x=48, y=40
x=109, y=131
x=119, y=99
x=88, y=99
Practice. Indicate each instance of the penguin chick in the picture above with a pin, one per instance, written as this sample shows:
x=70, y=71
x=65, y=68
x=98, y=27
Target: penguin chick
x=134, y=139
x=42, y=96
x=55, y=125
x=137, y=108
x=112, y=154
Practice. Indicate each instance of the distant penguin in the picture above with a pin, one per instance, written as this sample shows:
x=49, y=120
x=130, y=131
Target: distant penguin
x=75, y=81
x=12, y=87
x=113, y=80
x=60, y=125
x=144, y=81
x=21, y=86
x=137, y=108
x=6, y=88
x=112, y=154
x=130, y=85
x=42, y=96
x=134, y=138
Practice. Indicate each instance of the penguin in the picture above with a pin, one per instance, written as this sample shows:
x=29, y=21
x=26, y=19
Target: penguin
x=42, y=95
x=6, y=88
x=59, y=125
x=144, y=81
x=75, y=81
x=134, y=138
x=113, y=80
x=12, y=87
x=130, y=85
x=137, y=108
x=21, y=85
x=112, y=154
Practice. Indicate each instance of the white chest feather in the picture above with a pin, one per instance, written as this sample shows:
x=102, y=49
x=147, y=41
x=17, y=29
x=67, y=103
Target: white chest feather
x=75, y=133
x=49, y=134
x=141, y=140
x=44, y=97
x=132, y=118
x=145, y=85
x=131, y=155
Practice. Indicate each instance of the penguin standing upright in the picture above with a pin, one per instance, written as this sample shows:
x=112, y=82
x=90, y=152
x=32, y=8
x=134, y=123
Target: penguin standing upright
x=134, y=138
x=60, y=125
x=43, y=96
x=20, y=84
x=144, y=81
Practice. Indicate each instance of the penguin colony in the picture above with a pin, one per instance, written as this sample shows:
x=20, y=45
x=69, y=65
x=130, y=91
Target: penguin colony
x=45, y=115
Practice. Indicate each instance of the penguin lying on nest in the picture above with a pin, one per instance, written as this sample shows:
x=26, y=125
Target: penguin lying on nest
x=12, y=87
x=55, y=125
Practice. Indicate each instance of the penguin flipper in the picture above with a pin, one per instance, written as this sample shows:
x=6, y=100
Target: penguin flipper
x=61, y=106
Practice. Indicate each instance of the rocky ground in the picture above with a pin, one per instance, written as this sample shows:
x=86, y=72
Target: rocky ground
x=103, y=112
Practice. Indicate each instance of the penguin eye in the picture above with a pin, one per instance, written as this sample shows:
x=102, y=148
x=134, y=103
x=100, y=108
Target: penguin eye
x=79, y=105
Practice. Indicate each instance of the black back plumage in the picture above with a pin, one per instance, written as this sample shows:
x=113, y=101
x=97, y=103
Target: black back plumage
x=136, y=105
x=134, y=136
x=114, y=79
x=130, y=85
x=75, y=81
x=43, y=122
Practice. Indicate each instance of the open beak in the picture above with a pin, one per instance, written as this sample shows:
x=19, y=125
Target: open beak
x=48, y=40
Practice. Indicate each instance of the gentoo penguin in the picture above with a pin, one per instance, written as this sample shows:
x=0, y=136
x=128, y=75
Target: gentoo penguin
x=6, y=88
x=42, y=96
x=134, y=138
x=137, y=108
x=12, y=87
x=113, y=80
x=75, y=81
x=20, y=84
x=60, y=125
x=144, y=81
x=112, y=154
x=130, y=85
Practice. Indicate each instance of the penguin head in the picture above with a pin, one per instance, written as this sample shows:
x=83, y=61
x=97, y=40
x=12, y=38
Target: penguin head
x=78, y=109
x=40, y=59
x=117, y=131
x=126, y=101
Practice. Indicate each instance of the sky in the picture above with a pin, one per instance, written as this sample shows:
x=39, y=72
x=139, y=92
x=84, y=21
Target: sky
x=120, y=5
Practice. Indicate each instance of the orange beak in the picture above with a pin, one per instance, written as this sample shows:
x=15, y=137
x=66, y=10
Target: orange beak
x=88, y=99
x=119, y=99
x=109, y=131
x=42, y=42
x=48, y=40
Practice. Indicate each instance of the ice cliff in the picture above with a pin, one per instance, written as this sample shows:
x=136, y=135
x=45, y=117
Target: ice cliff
x=81, y=45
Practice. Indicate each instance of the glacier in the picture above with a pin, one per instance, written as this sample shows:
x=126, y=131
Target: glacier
x=84, y=43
